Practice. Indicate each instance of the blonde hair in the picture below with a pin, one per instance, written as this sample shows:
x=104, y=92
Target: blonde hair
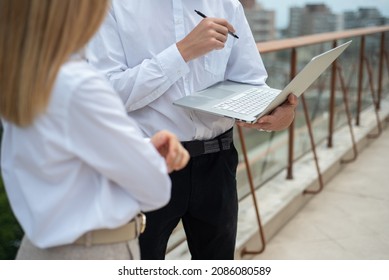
x=36, y=38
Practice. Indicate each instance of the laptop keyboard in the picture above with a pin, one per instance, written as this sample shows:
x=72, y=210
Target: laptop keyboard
x=249, y=101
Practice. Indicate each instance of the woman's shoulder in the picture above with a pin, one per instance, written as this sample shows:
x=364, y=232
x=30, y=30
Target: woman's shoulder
x=77, y=81
x=74, y=72
x=78, y=73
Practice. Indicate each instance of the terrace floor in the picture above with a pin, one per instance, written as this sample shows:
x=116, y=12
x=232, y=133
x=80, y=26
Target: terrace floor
x=349, y=219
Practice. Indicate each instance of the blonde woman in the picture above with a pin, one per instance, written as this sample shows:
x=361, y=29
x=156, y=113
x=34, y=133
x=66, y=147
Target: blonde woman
x=77, y=170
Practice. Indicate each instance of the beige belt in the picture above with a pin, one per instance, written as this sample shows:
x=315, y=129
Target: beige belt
x=124, y=233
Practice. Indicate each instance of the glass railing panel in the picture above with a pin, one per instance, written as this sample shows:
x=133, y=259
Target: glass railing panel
x=267, y=152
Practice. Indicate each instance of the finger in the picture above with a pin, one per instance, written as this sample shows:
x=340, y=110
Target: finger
x=159, y=139
x=181, y=159
x=266, y=120
x=220, y=29
x=214, y=24
x=177, y=159
x=292, y=100
x=218, y=45
x=172, y=155
x=184, y=158
x=221, y=37
x=225, y=23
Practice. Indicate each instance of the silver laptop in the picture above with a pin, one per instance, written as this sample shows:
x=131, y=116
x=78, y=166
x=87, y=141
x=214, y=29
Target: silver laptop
x=248, y=103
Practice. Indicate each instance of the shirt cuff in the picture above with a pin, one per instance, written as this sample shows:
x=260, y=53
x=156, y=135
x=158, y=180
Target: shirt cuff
x=172, y=63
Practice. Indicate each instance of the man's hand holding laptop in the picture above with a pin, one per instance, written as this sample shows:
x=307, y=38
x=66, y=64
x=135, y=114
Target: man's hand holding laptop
x=279, y=119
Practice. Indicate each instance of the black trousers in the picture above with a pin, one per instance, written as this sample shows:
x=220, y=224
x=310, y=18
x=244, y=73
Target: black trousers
x=204, y=196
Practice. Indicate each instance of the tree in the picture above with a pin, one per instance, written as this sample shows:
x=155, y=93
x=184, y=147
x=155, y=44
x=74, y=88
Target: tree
x=10, y=231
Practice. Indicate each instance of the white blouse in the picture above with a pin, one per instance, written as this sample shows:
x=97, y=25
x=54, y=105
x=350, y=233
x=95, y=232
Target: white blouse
x=82, y=165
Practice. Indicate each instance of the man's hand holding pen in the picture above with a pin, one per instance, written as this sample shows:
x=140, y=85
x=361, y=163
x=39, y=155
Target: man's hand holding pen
x=210, y=34
x=204, y=16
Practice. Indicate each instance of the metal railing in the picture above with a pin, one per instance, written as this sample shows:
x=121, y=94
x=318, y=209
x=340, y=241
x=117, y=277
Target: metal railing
x=363, y=62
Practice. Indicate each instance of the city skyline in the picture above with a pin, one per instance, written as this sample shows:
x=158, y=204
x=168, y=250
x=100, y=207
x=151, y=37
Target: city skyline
x=282, y=7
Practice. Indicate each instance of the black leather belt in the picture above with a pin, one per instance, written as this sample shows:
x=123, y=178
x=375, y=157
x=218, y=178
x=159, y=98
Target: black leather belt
x=217, y=144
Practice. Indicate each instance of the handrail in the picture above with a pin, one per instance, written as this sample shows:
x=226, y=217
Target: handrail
x=302, y=41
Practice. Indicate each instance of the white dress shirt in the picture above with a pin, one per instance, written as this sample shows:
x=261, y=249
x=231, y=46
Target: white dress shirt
x=136, y=49
x=82, y=165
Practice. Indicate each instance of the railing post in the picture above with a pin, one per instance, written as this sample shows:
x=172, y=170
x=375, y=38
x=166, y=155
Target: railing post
x=293, y=71
x=380, y=70
x=332, y=102
x=316, y=159
x=360, y=79
x=348, y=113
x=261, y=231
x=374, y=98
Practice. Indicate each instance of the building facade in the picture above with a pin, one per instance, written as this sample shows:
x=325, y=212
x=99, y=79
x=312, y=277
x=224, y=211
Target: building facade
x=364, y=17
x=312, y=19
x=248, y=4
x=261, y=21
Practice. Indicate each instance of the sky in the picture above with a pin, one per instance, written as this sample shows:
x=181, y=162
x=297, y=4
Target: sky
x=337, y=6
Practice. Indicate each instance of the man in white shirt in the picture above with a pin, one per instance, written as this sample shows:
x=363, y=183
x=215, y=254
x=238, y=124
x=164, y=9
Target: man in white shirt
x=154, y=52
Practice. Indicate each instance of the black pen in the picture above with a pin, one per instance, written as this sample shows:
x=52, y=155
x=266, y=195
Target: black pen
x=204, y=16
